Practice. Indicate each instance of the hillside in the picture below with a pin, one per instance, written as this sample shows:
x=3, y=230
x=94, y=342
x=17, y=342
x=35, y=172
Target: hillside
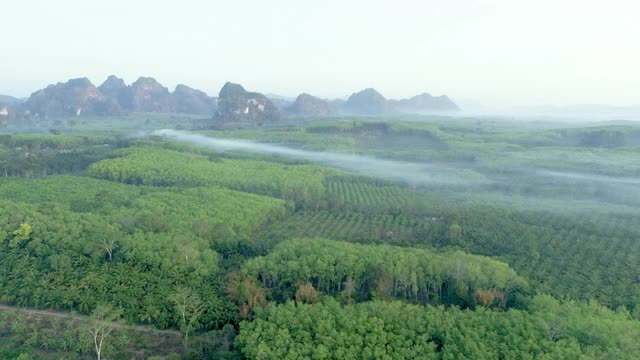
x=76, y=97
x=235, y=104
x=424, y=103
x=80, y=98
x=307, y=105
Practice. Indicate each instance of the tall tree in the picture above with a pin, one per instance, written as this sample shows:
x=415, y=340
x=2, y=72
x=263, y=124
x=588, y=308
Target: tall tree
x=103, y=320
x=189, y=307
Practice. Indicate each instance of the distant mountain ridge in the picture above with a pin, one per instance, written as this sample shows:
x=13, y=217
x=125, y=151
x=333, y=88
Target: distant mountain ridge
x=281, y=102
x=8, y=105
x=75, y=97
x=79, y=97
x=309, y=105
x=6, y=99
x=367, y=102
x=148, y=95
x=371, y=102
x=189, y=100
x=424, y=102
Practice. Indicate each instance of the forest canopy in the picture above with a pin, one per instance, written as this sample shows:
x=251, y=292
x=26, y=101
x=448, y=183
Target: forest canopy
x=191, y=252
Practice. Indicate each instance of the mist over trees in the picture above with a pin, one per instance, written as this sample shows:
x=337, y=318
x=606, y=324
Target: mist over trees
x=478, y=239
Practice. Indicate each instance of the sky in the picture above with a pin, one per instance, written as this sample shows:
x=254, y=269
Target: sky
x=493, y=52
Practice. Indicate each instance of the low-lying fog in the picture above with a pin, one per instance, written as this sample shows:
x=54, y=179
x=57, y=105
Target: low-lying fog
x=407, y=172
x=601, y=188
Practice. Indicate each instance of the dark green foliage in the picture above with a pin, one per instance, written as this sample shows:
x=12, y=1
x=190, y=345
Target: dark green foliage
x=580, y=256
x=384, y=271
x=395, y=330
x=357, y=194
x=360, y=227
x=559, y=207
x=32, y=156
x=124, y=245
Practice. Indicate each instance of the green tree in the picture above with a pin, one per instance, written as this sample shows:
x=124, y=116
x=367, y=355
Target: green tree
x=455, y=234
x=21, y=234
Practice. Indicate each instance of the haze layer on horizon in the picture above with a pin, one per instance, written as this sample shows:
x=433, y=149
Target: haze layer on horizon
x=496, y=52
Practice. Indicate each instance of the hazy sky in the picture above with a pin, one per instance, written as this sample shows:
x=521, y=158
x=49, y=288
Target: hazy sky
x=493, y=52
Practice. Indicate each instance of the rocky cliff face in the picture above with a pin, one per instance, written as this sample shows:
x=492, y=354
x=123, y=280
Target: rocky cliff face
x=8, y=105
x=308, y=105
x=192, y=101
x=79, y=97
x=115, y=88
x=367, y=102
x=281, y=102
x=148, y=95
x=425, y=103
x=235, y=104
x=76, y=97
x=5, y=111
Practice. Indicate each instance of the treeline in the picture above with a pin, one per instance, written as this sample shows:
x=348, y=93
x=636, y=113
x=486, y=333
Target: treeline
x=302, y=184
x=363, y=272
x=395, y=330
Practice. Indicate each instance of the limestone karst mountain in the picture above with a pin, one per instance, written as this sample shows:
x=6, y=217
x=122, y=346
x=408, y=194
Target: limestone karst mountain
x=116, y=89
x=424, y=103
x=191, y=101
x=79, y=97
x=308, y=105
x=281, y=102
x=6, y=100
x=148, y=95
x=75, y=97
x=235, y=104
x=367, y=102
x=370, y=102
